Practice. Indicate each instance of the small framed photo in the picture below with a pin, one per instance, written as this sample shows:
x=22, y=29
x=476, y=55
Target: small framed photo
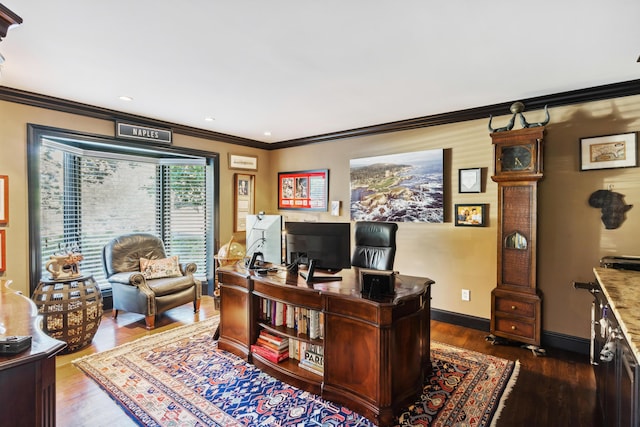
x=3, y=245
x=244, y=200
x=471, y=215
x=4, y=199
x=470, y=180
x=237, y=161
x=609, y=152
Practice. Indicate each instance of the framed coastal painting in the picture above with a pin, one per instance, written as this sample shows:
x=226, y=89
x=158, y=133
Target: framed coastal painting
x=404, y=187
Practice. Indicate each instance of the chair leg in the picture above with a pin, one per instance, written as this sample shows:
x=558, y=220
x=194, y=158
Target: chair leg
x=114, y=313
x=150, y=321
x=196, y=306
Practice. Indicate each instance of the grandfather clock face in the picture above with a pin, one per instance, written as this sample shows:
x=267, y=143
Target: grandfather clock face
x=516, y=157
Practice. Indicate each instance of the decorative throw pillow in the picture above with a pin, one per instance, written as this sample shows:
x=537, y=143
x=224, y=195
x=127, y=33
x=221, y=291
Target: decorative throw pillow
x=157, y=268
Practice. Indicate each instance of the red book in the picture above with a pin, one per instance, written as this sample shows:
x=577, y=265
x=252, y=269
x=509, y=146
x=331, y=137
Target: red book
x=271, y=338
x=268, y=354
x=261, y=341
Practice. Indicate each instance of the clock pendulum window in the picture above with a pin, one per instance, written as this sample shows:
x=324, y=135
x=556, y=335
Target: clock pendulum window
x=516, y=302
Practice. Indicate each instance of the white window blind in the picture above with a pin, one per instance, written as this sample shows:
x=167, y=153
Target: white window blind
x=88, y=198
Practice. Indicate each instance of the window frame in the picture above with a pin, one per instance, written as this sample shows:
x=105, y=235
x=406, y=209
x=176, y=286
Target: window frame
x=35, y=134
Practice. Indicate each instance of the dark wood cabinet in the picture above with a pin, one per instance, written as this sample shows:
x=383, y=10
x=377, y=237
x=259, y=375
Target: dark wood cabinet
x=614, y=362
x=376, y=352
x=27, y=379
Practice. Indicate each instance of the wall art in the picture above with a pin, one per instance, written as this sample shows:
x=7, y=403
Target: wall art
x=470, y=180
x=609, y=152
x=4, y=199
x=307, y=190
x=3, y=245
x=471, y=215
x=406, y=187
x=244, y=200
x=237, y=161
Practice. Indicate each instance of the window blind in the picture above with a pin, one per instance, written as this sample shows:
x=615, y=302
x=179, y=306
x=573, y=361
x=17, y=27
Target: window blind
x=88, y=198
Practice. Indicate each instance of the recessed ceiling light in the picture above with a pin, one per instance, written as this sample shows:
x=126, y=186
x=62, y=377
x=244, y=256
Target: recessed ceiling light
x=209, y=119
x=126, y=98
x=267, y=133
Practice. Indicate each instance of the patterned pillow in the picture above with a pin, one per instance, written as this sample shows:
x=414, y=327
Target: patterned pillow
x=157, y=268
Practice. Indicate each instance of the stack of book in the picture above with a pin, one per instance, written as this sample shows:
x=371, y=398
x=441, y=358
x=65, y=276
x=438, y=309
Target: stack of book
x=272, y=347
x=313, y=359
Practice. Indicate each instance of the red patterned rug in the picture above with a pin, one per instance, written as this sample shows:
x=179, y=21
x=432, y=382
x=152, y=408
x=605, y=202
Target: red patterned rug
x=180, y=378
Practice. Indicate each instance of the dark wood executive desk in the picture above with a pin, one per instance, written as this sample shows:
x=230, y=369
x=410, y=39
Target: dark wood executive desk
x=27, y=379
x=376, y=352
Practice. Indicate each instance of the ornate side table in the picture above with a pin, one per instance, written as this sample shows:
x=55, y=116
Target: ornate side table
x=71, y=309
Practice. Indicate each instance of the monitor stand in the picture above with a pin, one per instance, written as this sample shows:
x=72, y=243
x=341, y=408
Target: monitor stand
x=310, y=276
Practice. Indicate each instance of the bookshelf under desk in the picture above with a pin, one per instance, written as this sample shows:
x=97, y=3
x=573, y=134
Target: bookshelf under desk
x=376, y=352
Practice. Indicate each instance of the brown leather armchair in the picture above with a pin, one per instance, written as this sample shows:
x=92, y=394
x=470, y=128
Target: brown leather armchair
x=132, y=291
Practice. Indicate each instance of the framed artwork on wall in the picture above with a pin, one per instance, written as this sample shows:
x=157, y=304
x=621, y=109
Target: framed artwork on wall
x=470, y=180
x=3, y=245
x=4, y=199
x=403, y=187
x=471, y=215
x=237, y=161
x=244, y=200
x=609, y=152
x=305, y=190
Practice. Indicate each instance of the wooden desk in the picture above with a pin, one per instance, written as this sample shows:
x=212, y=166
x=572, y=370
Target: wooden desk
x=27, y=379
x=376, y=352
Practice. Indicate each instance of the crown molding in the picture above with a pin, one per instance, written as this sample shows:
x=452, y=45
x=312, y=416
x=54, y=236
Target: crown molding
x=615, y=90
x=609, y=91
x=7, y=19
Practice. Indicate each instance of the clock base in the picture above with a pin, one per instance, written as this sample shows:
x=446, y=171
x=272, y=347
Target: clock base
x=494, y=340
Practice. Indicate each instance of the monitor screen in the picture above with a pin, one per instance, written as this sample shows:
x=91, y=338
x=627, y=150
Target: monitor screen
x=264, y=235
x=328, y=243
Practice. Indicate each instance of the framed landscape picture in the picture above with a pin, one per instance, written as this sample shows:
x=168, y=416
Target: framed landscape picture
x=405, y=187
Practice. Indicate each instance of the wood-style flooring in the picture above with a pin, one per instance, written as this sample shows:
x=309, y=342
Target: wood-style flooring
x=555, y=390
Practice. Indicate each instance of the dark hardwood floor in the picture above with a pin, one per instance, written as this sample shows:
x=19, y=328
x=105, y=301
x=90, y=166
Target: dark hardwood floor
x=555, y=390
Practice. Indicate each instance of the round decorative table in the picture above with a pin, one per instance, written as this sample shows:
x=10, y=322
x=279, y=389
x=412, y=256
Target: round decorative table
x=71, y=309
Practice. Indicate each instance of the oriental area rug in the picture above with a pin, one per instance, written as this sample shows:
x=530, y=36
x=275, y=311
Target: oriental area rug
x=180, y=378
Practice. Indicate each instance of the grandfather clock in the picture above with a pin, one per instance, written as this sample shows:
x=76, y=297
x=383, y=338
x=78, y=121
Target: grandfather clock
x=516, y=302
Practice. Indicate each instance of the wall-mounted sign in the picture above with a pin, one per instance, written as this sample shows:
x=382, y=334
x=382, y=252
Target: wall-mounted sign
x=143, y=133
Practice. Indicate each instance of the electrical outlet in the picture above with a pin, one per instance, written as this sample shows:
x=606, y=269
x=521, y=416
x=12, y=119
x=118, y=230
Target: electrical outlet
x=466, y=295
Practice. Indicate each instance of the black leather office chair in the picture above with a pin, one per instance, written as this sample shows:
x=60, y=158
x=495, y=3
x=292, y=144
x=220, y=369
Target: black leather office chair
x=375, y=245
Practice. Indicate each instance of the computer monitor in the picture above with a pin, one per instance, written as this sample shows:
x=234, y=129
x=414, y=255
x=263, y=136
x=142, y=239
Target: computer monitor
x=327, y=243
x=264, y=239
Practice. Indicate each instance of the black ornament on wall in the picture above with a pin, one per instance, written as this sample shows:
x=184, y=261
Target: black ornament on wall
x=612, y=205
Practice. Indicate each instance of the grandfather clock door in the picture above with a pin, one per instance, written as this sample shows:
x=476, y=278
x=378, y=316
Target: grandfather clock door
x=516, y=303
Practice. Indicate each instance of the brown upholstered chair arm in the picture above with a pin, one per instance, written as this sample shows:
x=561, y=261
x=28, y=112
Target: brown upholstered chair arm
x=188, y=268
x=134, y=278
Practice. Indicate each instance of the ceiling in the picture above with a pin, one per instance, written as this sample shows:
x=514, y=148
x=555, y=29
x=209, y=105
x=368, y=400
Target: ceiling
x=300, y=68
